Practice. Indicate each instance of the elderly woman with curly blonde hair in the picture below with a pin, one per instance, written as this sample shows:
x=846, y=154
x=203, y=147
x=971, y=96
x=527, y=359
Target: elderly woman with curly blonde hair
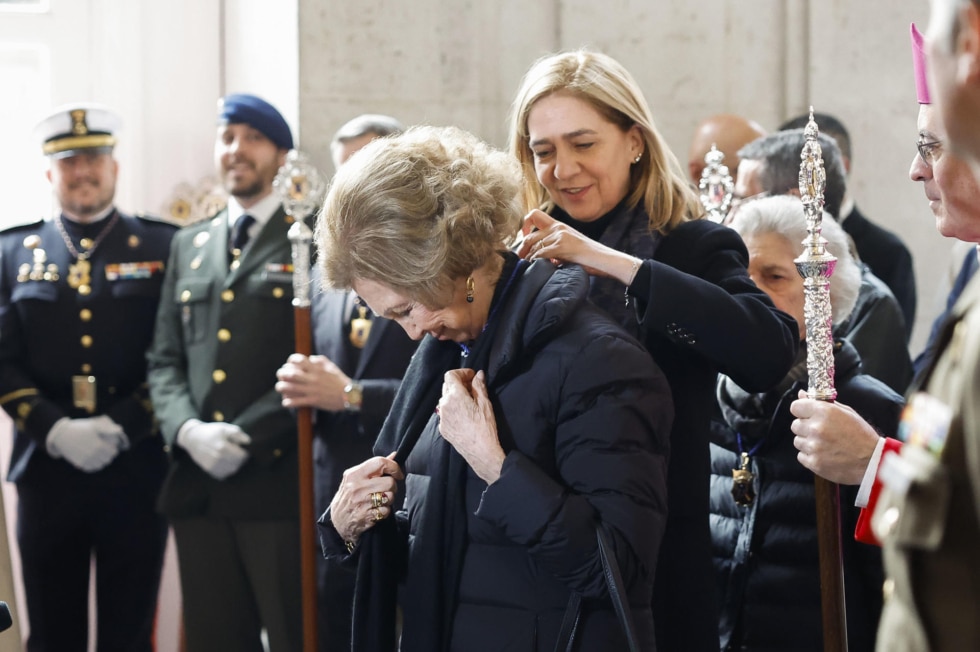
x=527, y=420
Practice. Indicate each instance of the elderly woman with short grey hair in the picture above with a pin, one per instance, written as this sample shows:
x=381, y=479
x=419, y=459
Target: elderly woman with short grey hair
x=763, y=514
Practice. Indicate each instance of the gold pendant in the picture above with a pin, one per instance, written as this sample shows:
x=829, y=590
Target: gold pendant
x=360, y=328
x=79, y=273
x=742, y=490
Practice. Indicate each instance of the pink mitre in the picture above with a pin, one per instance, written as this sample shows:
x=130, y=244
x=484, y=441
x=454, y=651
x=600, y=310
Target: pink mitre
x=919, y=66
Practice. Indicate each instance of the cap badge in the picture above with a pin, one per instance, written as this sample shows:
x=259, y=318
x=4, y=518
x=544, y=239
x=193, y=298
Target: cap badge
x=78, y=125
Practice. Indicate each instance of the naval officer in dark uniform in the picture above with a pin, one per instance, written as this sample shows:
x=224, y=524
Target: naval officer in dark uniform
x=78, y=296
x=224, y=327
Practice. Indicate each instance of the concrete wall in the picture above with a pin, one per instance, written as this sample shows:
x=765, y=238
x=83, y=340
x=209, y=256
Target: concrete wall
x=459, y=62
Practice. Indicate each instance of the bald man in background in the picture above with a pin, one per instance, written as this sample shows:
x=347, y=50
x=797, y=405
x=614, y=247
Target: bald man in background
x=726, y=131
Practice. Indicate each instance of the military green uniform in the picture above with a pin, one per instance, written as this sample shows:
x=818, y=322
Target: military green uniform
x=930, y=527
x=222, y=332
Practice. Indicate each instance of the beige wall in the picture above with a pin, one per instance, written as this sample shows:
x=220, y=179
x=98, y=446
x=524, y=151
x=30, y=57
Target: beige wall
x=445, y=61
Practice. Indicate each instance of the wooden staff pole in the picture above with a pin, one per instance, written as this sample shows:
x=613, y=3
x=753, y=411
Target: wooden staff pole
x=816, y=266
x=307, y=503
x=301, y=188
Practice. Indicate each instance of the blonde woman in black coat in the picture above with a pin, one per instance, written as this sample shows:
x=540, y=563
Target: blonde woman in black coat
x=614, y=199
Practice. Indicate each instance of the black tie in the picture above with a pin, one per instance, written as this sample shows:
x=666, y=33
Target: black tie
x=239, y=234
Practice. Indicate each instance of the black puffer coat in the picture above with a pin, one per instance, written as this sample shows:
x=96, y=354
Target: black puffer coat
x=765, y=555
x=584, y=417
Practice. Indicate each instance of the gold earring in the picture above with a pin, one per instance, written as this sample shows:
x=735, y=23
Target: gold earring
x=470, y=289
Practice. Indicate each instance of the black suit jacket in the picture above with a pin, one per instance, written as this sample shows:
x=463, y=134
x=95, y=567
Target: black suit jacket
x=889, y=260
x=344, y=439
x=876, y=330
x=967, y=269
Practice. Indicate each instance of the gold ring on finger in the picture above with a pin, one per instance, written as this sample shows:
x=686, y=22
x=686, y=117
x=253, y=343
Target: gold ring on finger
x=376, y=499
x=377, y=514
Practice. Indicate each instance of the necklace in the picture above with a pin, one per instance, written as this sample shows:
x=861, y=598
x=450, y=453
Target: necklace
x=360, y=326
x=742, y=489
x=79, y=272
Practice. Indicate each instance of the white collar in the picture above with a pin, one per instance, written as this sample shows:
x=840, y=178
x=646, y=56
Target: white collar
x=262, y=211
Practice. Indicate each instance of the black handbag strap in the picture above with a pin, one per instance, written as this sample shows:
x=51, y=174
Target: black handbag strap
x=616, y=590
x=617, y=593
x=569, y=624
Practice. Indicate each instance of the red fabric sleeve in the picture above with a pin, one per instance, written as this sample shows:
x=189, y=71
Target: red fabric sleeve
x=863, y=532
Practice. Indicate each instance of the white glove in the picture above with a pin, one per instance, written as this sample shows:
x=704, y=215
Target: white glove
x=216, y=447
x=87, y=444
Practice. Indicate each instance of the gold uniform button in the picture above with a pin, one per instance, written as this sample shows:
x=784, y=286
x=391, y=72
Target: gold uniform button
x=86, y=243
x=278, y=293
x=86, y=341
x=228, y=296
x=86, y=368
x=277, y=452
x=218, y=375
x=887, y=589
x=224, y=335
x=196, y=263
x=185, y=296
x=85, y=314
x=219, y=416
x=84, y=290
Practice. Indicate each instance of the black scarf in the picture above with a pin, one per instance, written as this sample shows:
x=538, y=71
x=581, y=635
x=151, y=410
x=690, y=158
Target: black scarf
x=428, y=610
x=624, y=229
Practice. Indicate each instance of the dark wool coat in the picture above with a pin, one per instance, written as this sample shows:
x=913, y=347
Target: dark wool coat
x=699, y=314
x=888, y=258
x=766, y=561
x=583, y=415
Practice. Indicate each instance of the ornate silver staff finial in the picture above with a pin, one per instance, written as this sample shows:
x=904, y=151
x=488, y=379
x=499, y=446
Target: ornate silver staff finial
x=816, y=265
x=716, y=186
x=301, y=187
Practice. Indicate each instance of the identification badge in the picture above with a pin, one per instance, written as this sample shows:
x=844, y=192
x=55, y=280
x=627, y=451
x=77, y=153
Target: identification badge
x=925, y=423
x=83, y=392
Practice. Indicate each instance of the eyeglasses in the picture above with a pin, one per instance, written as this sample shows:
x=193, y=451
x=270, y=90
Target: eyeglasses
x=739, y=202
x=929, y=150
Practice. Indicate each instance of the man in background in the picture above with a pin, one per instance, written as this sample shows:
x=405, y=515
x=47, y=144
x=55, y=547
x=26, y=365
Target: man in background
x=351, y=381
x=78, y=299
x=728, y=133
x=880, y=249
x=224, y=327
x=928, y=513
x=876, y=326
